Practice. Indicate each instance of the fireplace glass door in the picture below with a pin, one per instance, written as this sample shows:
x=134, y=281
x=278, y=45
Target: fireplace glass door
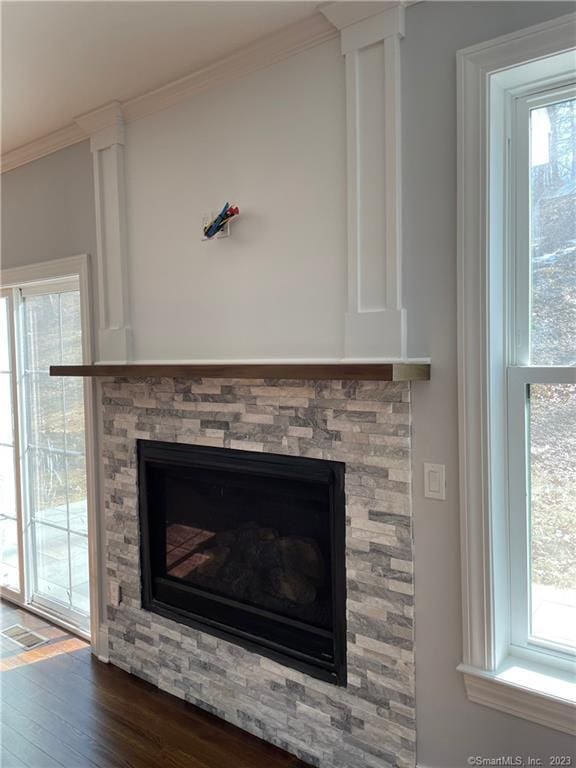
x=248, y=544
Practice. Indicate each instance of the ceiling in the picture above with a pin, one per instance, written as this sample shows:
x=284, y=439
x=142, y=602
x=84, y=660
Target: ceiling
x=61, y=59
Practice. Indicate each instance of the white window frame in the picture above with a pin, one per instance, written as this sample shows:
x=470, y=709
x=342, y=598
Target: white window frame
x=30, y=279
x=491, y=77
x=67, y=615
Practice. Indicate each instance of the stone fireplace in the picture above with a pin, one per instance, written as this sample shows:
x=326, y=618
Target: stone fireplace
x=249, y=547
x=355, y=432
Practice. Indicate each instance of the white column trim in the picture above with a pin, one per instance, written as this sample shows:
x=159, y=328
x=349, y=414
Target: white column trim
x=105, y=126
x=372, y=30
x=393, y=178
x=375, y=321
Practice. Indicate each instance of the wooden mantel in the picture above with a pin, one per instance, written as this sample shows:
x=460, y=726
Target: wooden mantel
x=310, y=371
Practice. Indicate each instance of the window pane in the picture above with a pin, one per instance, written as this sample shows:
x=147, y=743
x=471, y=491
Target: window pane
x=9, y=553
x=553, y=512
x=9, y=576
x=6, y=423
x=4, y=345
x=47, y=475
x=553, y=233
x=55, y=450
x=6, y=416
x=52, y=570
x=42, y=331
x=80, y=578
x=76, y=467
x=74, y=399
x=46, y=412
x=7, y=482
x=71, y=328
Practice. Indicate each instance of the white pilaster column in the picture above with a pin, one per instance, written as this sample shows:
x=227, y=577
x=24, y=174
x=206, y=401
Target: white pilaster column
x=375, y=321
x=105, y=126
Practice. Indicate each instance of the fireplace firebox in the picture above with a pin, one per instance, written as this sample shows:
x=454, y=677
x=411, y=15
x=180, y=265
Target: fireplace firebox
x=249, y=547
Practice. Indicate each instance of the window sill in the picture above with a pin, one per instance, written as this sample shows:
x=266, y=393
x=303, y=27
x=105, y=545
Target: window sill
x=527, y=690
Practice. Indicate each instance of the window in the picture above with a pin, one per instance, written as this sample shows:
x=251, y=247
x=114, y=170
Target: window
x=9, y=550
x=517, y=357
x=53, y=448
x=550, y=335
x=44, y=559
x=541, y=374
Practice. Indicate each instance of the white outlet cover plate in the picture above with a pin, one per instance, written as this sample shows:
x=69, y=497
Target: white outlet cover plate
x=435, y=481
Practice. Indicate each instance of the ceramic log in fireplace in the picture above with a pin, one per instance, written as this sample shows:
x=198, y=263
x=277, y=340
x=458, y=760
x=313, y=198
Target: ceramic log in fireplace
x=249, y=547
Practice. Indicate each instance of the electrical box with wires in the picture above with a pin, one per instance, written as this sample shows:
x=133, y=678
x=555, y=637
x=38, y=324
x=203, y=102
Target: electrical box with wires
x=216, y=226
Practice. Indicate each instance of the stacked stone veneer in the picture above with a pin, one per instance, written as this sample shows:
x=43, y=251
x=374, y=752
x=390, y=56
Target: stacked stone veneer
x=368, y=724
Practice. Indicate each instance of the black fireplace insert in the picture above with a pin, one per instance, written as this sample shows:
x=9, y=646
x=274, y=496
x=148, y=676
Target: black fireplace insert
x=249, y=547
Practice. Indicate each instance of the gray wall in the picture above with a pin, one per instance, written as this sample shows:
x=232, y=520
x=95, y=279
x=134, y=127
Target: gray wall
x=48, y=208
x=449, y=727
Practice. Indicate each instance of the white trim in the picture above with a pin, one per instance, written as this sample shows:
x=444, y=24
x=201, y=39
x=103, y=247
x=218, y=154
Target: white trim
x=264, y=52
x=530, y=44
x=78, y=267
x=45, y=145
x=517, y=501
x=375, y=322
x=107, y=138
x=65, y=285
x=389, y=23
x=97, y=572
x=343, y=15
x=101, y=649
x=280, y=361
x=509, y=692
x=22, y=413
x=481, y=284
x=71, y=266
x=104, y=125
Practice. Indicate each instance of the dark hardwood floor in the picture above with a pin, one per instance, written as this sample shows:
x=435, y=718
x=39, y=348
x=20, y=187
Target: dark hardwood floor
x=61, y=708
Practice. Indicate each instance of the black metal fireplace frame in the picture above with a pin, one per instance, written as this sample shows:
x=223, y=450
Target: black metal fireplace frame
x=330, y=473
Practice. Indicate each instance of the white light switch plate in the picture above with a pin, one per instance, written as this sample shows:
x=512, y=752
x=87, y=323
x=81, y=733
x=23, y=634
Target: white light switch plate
x=435, y=481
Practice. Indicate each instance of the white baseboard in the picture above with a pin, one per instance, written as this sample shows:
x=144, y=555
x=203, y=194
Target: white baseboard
x=100, y=646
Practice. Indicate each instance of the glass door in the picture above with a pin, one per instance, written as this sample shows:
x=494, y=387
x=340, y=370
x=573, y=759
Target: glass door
x=53, y=449
x=10, y=539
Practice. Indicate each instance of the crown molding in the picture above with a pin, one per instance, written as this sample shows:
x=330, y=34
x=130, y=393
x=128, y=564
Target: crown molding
x=46, y=145
x=343, y=14
x=99, y=119
x=268, y=50
x=104, y=125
